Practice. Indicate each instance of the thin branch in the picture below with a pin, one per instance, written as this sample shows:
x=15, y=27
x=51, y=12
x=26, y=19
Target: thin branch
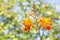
x=58, y=18
x=40, y=36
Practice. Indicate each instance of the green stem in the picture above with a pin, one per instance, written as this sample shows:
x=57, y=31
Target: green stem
x=40, y=36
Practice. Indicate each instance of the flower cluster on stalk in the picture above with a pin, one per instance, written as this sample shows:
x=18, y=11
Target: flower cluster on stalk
x=42, y=22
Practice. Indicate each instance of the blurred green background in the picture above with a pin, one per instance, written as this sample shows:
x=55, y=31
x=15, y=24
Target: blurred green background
x=12, y=12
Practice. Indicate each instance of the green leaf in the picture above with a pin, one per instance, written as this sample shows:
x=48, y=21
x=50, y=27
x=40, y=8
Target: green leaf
x=28, y=1
x=1, y=1
x=21, y=0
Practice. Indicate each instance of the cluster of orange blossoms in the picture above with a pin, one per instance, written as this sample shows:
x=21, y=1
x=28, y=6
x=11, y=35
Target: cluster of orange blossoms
x=28, y=24
x=43, y=22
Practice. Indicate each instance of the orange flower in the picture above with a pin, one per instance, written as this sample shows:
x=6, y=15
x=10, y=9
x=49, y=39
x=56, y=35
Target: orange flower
x=48, y=27
x=44, y=22
x=27, y=28
x=28, y=24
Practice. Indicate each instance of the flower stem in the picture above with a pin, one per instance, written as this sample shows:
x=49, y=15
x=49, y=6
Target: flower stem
x=40, y=36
